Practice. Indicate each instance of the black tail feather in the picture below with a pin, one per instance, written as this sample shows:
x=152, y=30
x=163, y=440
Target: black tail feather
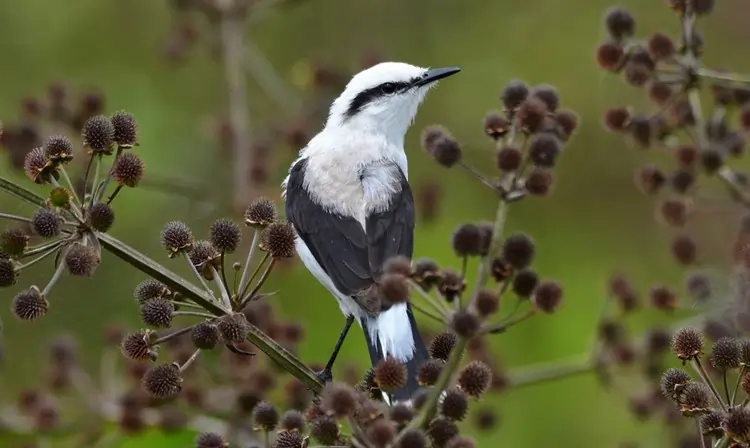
x=412, y=366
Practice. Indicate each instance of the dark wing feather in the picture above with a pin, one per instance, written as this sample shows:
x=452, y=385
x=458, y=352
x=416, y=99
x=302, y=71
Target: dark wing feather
x=351, y=258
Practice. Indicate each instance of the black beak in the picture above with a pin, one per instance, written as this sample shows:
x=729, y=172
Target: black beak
x=436, y=74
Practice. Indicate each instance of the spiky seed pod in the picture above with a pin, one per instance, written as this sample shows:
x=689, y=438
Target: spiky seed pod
x=210, y=440
x=398, y=265
x=265, y=416
x=548, y=296
x=59, y=197
x=401, y=413
x=278, y=239
x=128, y=169
x=136, y=346
x=687, y=343
x=524, y=283
x=663, y=297
x=465, y=323
x=617, y=119
x=442, y=345
x=413, y=438
x=162, y=381
x=81, y=260
x=289, y=439
x=225, y=235
x=549, y=96
x=339, y=399
x=509, y=159
x=390, y=374
x=439, y=144
x=454, y=404
x=466, y=240
x=205, y=335
x=531, y=115
x=381, y=433
x=292, y=420
x=514, y=93
x=495, y=125
x=37, y=166
x=98, y=133
x=394, y=288
x=325, y=430
x=695, y=397
x=619, y=22
x=609, y=56
x=745, y=352
x=101, y=217
x=544, y=150
x=429, y=372
x=711, y=423
x=426, y=272
x=8, y=273
x=737, y=423
x=58, y=149
x=233, y=327
x=567, y=121
x=13, y=241
x=518, y=250
x=203, y=253
x=487, y=303
x=451, y=284
x=176, y=237
x=725, y=354
x=125, y=129
x=441, y=430
x=157, y=313
x=150, y=289
x=47, y=223
x=260, y=213
x=29, y=305
x=475, y=379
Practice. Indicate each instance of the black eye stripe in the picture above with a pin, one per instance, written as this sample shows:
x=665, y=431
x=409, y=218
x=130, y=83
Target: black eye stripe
x=371, y=94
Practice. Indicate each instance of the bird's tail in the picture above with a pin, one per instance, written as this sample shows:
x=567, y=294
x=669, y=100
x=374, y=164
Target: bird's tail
x=394, y=333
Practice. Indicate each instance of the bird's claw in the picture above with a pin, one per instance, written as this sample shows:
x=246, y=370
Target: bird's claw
x=324, y=375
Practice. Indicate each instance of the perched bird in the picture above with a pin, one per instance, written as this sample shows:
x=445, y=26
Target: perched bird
x=348, y=197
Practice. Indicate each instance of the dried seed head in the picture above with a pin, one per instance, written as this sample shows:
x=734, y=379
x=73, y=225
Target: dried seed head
x=128, y=169
x=737, y=423
x=682, y=180
x=13, y=241
x=531, y=115
x=47, y=223
x=461, y=442
x=672, y=382
x=125, y=129
x=443, y=148
x=101, y=217
x=233, y=327
x=567, y=121
x=210, y=440
x=465, y=323
x=451, y=284
x=616, y=119
x=381, y=433
x=136, y=346
x=426, y=272
x=442, y=345
x=157, y=312
x=524, y=283
x=475, y=379
x=518, y=250
x=265, y=416
x=711, y=160
x=663, y=298
x=544, y=150
x=390, y=374
x=292, y=420
x=711, y=423
x=278, y=239
x=684, y=249
x=441, y=430
x=619, y=22
x=162, y=381
x=641, y=129
x=686, y=156
x=289, y=439
x=539, y=182
x=514, y=93
x=454, y=404
x=509, y=158
x=547, y=93
x=394, y=288
x=29, y=305
x=225, y=235
x=401, y=413
x=398, y=265
x=429, y=372
x=205, y=335
x=260, y=213
x=725, y=354
x=698, y=285
x=58, y=148
x=37, y=166
x=649, y=179
x=548, y=296
x=339, y=399
x=609, y=56
x=495, y=125
x=661, y=46
x=466, y=240
x=695, y=396
x=687, y=343
x=674, y=212
x=176, y=237
x=81, y=260
x=487, y=303
x=413, y=438
x=660, y=92
x=150, y=289
x=8, y=273
x=98, y=133
x=325, y=430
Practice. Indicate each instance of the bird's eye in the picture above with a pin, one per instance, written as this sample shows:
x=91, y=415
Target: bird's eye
x=388, y=88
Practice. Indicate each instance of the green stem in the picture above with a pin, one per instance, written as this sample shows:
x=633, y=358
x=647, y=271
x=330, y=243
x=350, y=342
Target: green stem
x=73, y=191
x=105, y=183
x=222, y=287
x=252, y=277
x=171, y=335
x=199, y=277
x=550, y=371
x=36, y=260
x=258, y=285
x=502, y=327
x=720, y=76
x=54, y=279
x=43, y=247
x=194, y=314
x=707, y=380
x=248, y=260
x=737, y=385
x=21, y=192
x=14, y=217
x=427, y=298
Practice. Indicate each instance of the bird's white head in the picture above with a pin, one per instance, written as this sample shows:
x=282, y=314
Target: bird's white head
x=385, y=97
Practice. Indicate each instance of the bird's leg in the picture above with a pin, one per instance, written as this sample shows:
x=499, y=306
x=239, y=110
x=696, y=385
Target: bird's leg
x=325, y=375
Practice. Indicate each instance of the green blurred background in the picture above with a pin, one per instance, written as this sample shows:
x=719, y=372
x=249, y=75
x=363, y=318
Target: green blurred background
x=594, y=224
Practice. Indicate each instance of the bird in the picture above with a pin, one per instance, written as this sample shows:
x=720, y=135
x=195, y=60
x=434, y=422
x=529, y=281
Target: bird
x=348, y=198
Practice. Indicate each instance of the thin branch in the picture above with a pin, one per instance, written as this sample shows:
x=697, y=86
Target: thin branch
x=270, y=81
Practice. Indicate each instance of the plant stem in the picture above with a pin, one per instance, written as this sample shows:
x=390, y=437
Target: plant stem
x=43, y=247
x=222, y=287
x=70, y=185
x=252, y=277
x=103, y=187
x=737, y=386
x=248, y=260
x=171, y=335
x=54, y=279
x=95, y=192
x=700, y=432
x=14, y=217
x=258, y=285
x=502, y=327
x=707, y=380
x=720, y=76
x=428, y=313
x=549, y=371
x=427, y=298
x=36, y=260
x=194, y=314
x=200, y=277
x=190, y=360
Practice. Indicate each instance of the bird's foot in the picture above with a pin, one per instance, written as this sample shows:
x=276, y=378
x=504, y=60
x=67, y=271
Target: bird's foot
x=324, y=375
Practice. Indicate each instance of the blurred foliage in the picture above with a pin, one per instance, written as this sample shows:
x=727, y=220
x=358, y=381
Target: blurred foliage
x=594, y=224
